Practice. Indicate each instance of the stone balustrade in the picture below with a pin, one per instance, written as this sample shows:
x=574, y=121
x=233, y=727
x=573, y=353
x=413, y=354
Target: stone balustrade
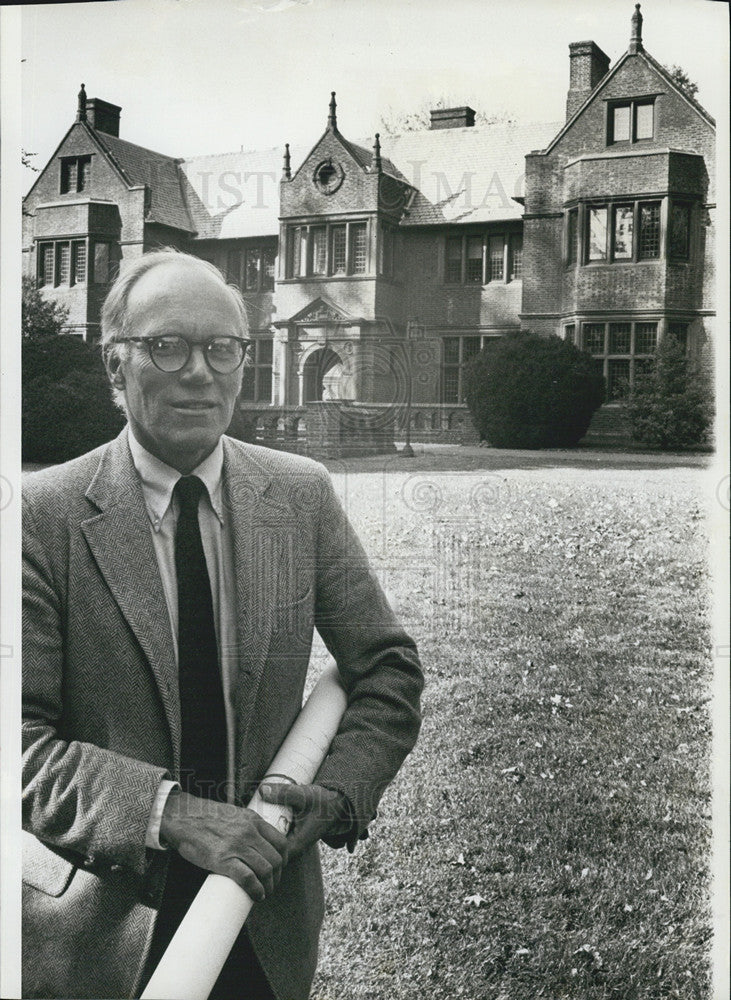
x=359, y=429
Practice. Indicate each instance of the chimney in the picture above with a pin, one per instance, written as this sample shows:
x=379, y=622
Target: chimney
x=452, y=118
x=588, y=64
x=103, y=116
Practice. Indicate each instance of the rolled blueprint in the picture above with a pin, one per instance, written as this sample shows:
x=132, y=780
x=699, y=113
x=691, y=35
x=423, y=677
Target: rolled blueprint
x=194, y=958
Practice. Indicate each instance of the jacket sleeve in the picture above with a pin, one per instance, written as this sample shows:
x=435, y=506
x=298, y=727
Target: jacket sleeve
x=379, y=668
x=76, y=796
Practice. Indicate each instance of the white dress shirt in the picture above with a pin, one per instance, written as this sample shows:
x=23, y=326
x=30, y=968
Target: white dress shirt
x=158, y=482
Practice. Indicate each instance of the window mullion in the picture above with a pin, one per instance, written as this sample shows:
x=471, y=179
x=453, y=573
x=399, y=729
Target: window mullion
x=664, y=219
x=582, y=245
x=611, y=224
x=632, y=352
x=460, y=362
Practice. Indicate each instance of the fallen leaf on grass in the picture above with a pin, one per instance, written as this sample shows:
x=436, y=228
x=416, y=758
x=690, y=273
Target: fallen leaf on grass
x=477, y=900
x=590, y=955
x=514, y=773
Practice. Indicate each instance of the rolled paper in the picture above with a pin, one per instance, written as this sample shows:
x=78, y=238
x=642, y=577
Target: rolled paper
x=194, y=958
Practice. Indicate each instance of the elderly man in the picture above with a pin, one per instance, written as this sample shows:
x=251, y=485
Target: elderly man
x=172, y=582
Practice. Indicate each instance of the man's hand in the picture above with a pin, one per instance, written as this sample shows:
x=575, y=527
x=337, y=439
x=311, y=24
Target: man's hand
x=227, y=840
x=316, y=812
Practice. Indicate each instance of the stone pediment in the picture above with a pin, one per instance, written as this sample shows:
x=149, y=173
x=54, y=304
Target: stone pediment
x=320, y=311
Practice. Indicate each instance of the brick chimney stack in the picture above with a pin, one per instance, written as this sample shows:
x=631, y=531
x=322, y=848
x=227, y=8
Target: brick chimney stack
x=463, y=117
x=103, y=116
x=588, y=65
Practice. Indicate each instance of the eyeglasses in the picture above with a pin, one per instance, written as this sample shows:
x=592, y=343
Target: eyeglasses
x=170, y=353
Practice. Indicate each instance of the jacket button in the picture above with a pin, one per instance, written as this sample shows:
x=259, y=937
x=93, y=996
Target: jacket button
x=115, y=868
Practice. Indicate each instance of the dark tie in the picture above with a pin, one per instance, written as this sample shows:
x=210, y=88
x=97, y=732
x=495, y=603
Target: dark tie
x=203, y=717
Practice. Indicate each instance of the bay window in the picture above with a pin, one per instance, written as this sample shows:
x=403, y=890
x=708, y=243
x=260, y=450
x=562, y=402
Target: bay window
x=621, y=232
x=62, y=262
x=327, y=250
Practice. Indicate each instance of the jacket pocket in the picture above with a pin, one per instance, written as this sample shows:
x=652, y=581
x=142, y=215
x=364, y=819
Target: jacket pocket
x=44, y=869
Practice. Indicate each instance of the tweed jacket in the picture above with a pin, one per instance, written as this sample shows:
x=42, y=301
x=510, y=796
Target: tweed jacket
x=101, y=713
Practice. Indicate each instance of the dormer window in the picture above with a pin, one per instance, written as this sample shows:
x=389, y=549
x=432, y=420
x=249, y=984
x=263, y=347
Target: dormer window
x=631, y=121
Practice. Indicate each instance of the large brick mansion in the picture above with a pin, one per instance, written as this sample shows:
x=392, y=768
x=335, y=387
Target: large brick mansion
x=349, y=254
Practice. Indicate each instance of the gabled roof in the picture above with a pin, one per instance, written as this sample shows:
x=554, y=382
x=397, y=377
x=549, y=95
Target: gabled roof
x=696, y=105
x=139, y=165
x=658, y=67
x=461, y=176
x=362, y=155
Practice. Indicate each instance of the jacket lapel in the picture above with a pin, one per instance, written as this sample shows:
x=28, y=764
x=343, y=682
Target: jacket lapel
x=246, y=484
x=120, y=541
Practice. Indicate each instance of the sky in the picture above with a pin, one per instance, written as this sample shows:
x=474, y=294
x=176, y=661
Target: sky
x=212, y=76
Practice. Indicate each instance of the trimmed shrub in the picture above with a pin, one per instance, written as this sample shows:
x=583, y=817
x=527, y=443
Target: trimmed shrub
x=526, y=391
x=671, y=404
x=67, y=407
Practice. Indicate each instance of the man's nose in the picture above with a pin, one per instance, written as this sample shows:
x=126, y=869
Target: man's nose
x=196, y=366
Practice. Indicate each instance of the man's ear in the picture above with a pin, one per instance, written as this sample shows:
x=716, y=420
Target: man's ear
x=113, y=364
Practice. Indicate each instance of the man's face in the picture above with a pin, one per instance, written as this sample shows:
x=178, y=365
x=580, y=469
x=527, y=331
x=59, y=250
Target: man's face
x=178, y=416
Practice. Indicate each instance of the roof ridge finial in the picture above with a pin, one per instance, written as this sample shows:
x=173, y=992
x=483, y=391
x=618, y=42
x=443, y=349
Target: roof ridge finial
x=287, y=163
x=81, y=109
x=635, y=42
x=332, y=118
x=377, y=164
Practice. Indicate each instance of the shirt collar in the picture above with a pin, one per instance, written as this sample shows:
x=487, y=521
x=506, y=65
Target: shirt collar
x=159, y=479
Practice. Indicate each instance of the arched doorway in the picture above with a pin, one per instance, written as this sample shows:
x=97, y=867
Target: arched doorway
x=322, y=373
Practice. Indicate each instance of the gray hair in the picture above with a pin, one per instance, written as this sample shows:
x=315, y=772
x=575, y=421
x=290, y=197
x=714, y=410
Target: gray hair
x=114, y=319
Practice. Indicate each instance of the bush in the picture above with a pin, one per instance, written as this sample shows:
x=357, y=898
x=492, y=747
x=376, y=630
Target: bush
x=526, y=391
x=67, y=405
x=671, y=404
x=41, y=318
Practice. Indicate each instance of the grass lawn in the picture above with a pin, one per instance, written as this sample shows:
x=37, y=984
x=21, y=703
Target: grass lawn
x=549, y=835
